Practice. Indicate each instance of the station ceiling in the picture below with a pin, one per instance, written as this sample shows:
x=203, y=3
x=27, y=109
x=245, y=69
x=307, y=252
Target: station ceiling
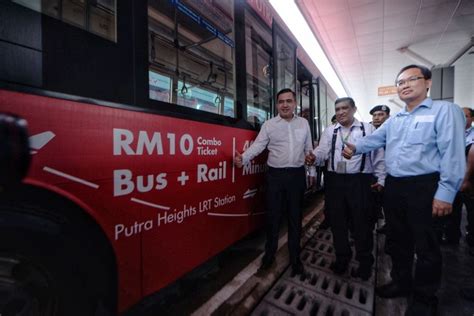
x=368, y=41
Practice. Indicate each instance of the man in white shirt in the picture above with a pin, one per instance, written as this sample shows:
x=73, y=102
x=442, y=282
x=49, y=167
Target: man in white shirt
x=287, y=138
x=349, y=185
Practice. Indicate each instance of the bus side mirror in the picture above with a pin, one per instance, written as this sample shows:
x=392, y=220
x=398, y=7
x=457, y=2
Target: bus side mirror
x=14, y=150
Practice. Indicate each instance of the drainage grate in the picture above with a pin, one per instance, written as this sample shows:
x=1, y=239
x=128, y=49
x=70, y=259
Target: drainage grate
x=318, y=291
x=345, y=290
x=287, y=299
x=323, y=262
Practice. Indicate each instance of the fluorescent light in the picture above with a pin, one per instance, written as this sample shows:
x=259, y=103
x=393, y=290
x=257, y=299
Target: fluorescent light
x=291, y=15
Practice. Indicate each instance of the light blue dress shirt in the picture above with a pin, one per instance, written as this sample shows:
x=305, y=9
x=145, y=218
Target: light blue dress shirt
x=426, y=140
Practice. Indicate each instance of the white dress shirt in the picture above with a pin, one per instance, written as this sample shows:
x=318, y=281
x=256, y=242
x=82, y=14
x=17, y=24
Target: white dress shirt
x=374, y=161
x=287, y=142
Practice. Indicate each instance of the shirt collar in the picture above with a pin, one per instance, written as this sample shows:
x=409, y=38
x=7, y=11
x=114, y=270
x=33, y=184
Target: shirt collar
x=279, y=118
x=427, y=103
x=355, y=123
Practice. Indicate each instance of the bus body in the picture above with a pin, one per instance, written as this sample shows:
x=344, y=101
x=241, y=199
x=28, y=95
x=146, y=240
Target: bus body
x=133, y=130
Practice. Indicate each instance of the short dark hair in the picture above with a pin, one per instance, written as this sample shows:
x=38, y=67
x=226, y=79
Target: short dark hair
x=286, y=90
x=424, y=71
x=471, y=111
x=333, y=118
x=345, y=99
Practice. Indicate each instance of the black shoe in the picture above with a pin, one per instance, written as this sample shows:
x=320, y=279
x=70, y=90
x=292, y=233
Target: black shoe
x=339, y=267
x=392, y=289
x=467, y=293
x=422, y=307
x=324, y=224
x=266, y=264
x=382, y=229
x=451, y=241
x=364, y=272
x=470, y=239
x=297, y=268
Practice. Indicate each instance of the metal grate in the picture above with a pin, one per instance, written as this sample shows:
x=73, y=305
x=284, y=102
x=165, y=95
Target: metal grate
x=318, y=291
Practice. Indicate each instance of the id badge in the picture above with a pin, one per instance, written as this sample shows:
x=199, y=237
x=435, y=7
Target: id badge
x=341, y=167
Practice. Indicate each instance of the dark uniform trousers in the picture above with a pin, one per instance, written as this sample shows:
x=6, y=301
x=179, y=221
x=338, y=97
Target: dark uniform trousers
x=349, y=199
x=453, y=220
x=408, y=207
x=285, y=189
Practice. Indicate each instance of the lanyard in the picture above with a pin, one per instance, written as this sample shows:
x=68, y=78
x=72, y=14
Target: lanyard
x=344, y=139
x=333, y=146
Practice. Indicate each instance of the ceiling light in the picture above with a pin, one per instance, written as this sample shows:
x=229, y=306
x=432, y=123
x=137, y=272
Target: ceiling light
x=291, y=15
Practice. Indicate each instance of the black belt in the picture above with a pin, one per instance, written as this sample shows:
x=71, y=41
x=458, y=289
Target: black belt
x=424, y=177
x=284, y=169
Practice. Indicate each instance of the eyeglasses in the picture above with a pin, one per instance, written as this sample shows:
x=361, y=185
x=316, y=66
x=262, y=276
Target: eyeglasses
x=410, y=81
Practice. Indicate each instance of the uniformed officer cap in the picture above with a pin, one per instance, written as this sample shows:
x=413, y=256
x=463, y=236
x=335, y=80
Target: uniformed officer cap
x=376, y=108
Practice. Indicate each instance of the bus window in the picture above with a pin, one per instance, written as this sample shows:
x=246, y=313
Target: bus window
x=160, y=87
x=285, y=60
x=191, y=44
x=259, y=70
x=305, y=101
x=98, y=17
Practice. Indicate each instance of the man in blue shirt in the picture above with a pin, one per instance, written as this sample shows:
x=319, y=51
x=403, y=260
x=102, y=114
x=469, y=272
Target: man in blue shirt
x=425, y=164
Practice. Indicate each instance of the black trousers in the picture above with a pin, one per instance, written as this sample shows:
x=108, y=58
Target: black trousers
x=349, y=201
x=408, y=208
x=285, y=189
x=452, y=222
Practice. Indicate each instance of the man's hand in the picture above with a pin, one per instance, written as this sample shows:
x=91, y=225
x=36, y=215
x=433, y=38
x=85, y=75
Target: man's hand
x=349, y=150
x=309, y=159
x=376, y=187
x=441, y=208
x=238, y=159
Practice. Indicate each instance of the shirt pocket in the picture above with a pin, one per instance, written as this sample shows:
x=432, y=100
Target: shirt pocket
x=300, y=134
x=419, y=134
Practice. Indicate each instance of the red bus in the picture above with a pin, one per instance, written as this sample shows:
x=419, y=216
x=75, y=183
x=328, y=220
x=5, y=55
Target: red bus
x=135, y=110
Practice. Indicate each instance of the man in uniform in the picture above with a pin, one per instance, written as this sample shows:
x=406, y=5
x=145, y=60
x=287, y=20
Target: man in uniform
x=349, y=185
x=380, y=113
x=424, y=157
x=287, y=138
x=452, y=228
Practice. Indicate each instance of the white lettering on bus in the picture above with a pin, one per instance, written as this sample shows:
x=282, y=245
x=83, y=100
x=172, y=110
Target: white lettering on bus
x=125, y=143
x=155, y=142
x=186, y=149
x=135, y=228
x=175, y=216
x=252, y=168
x=206, y=174
x=122, y=140
x=125, y=184
x=223, y=201
x=209, y=142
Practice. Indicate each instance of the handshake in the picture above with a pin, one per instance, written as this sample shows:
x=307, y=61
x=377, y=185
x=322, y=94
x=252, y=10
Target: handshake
x=348, y=152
